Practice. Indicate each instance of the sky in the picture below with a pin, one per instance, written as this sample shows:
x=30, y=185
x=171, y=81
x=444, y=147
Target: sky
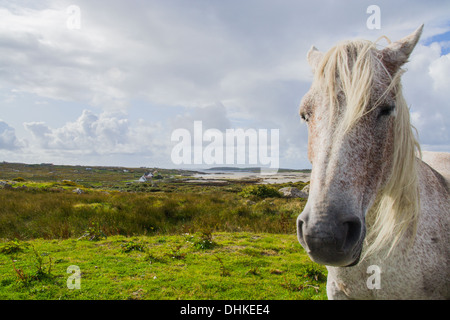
x=108, y=82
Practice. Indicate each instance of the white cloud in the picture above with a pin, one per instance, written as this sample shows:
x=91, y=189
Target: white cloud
x=425, y=86
x=96, y=134
x=212, y=117
x=8, y=139
x=233, y=63
x=439, y=72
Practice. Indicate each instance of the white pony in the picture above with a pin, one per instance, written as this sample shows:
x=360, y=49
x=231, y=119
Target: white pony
x=377, y=216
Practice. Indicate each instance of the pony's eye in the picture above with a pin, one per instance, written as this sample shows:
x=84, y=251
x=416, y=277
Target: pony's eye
x=304, y=116
x=386, y=110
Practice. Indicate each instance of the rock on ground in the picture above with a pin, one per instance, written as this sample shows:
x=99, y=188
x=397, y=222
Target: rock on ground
x=292, y=192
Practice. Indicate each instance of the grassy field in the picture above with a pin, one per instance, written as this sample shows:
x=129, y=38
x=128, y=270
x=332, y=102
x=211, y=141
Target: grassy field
x=232, y=266
x=166, y=239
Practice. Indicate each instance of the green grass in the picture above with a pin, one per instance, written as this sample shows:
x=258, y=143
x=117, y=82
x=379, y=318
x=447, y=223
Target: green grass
x=169, y=239
x=238, y=266
x=31, y=213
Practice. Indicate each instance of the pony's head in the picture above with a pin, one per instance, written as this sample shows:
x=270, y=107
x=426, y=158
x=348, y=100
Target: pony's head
x=362, y=149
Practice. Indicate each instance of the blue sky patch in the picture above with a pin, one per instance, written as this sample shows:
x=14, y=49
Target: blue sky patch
x=443, y=39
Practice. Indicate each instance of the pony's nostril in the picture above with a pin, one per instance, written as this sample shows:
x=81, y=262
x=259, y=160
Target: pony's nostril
x=300, y=236
x=300, y=230
x=352, y=232
x=299, y=226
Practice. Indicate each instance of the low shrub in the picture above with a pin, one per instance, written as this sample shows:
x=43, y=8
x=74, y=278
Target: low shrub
x=12, y=247
x=132, y=246
x=68, y=183
x=93, y=233
x=202, y=240
x=260, y=191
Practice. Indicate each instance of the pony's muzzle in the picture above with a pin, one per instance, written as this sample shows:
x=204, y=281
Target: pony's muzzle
x=336, y=241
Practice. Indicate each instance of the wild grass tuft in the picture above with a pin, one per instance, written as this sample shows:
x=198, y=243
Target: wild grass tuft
x=28, y=215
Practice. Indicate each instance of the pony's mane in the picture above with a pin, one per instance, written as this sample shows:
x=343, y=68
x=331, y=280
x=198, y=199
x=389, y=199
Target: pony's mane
x=347, y=72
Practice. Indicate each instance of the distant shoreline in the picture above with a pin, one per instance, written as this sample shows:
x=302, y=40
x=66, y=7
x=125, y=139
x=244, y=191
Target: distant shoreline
x=252, y=169
x=206, y=170
x=280, y=177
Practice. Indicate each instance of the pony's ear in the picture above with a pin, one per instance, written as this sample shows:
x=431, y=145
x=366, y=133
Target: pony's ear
x=314, y=57
x=397, y=53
